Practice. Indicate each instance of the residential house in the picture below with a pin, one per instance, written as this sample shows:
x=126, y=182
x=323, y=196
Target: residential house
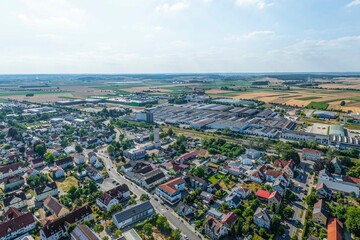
x=212, y=188
x=334, y=229
x=57, y=229
x=93, y=173
x=152, y=179
x=17, y=200
x=285, y=166
x=214, y=228
x=16, y=223
x=195, y=182
x=79, y=158
x=312, y=154
x=83, y=232
x=320, y=214
x=323, y=191
x=12, y=183
x=275, y=198
x=133, y=214
x=98, y=164
x=229, y=219
x=262, y=195
x=233, y=200
x=113, y=196
x=55, y=207
x=171, y=190
x=206, y=197
x=279, y=186
x=12, y=170
x=184, y=209
x=49, y=189
x=37, y=163
x=257, y=176
x=217, y=158
x=92, y=157
x=243, y=192
x=58, y=172
x=337, y=165
x=64, y=162
x=262, y=218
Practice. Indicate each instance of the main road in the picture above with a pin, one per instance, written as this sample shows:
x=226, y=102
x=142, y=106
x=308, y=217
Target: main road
x=173, y=218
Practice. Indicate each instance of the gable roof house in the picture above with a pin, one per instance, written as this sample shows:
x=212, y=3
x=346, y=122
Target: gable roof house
x=57, y=229
x=113, y=196
x=12, y=170
x=14, y=182
x=233, y=200
x=133, y=214
x=55, y=207
x=334, y=229
x=37, y=163
x=64, y=162
x=93, y=173
x=323, y=191
x=16, y=223
x=275, y=198
x=262, y=217
x=17, y=200
x=320, y=214
x=42, y=192
x=214, y=228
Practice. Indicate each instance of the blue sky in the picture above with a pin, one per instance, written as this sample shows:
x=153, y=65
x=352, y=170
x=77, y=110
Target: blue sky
x=178, y=36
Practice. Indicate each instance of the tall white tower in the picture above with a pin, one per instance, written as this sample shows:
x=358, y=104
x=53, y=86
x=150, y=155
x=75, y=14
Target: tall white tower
x=156, y=137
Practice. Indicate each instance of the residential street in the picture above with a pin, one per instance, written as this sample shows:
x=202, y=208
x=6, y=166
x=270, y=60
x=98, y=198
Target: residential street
x=164, y=210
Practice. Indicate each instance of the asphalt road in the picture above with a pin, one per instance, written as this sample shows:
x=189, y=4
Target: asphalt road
x=173, y=218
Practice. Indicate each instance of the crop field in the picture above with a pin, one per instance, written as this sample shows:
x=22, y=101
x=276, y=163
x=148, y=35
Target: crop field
x=318, y=105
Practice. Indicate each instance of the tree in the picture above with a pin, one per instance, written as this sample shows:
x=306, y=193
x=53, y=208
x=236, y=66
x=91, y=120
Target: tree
x=199, y=172
x=342, y=103
x=287, y=212
x=147, y=228
x=144, y=197
x=87, y=223
x=111, y=149
x=162, y=223
x=353, y=220
x=49, y=157
x=99, y=228
x=175, y=234
x=115, y=208
x=170, y=132
x=40, y=149
x=118, y=233
x=78, y=148
x=311, y=199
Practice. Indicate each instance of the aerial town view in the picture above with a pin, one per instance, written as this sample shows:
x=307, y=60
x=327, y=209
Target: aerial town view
x=134, y=136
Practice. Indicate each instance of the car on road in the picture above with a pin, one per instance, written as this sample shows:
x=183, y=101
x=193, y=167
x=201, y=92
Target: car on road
x=186, y=237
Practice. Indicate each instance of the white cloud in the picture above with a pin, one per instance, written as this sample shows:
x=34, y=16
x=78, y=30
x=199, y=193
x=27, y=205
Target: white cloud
x=253, y=35
x=175, y=7
x=58, y=14
x=353, y=3
x=256, y=3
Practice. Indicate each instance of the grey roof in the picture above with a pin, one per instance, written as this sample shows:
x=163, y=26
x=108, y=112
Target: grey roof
x=263, y=213
x=133, y=211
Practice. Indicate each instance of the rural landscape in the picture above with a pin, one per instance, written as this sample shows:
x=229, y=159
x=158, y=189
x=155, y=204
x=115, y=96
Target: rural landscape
x=192, y=156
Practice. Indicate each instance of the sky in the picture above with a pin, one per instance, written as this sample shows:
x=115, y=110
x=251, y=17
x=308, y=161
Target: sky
x=179, y=36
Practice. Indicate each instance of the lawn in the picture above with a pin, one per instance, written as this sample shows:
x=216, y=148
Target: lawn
x=318, y=105
x=252, y=186
x=65, y=184
x=352, y=126
x=216, y=178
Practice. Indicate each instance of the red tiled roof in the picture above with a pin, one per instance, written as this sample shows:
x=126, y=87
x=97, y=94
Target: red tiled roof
x=169, y=186
x=310, y=150
x=263, y=194
x=351, y=180
x=334, y=229
x=229, y=218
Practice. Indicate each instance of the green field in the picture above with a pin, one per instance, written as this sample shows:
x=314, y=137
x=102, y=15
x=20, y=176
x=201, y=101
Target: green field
x=318, y=105
x=23, y=93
